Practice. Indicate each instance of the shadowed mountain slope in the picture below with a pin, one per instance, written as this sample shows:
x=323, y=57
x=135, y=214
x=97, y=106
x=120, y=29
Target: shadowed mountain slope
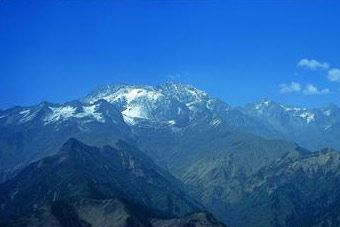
x=79, y=171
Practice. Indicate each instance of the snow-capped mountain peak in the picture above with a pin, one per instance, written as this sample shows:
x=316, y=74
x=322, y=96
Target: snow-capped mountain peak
x=176, y=106
x=64, y=112
x=269, y=108
x=126, y=93
x=170, y=102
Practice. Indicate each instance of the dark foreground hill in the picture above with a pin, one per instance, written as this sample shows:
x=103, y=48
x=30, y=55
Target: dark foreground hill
x=89, y=186
x=109, y=213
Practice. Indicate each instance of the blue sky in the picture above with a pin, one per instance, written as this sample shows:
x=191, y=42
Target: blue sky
x=238, y=51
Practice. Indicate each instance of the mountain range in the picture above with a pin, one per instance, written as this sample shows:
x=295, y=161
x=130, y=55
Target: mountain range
x=264, y=164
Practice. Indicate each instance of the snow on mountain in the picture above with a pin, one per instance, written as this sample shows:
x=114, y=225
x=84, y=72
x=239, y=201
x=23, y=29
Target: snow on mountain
x=137, y=100
x=170, y=103
x=26, y=115
x=49, y=113
x=174, y=104
x=270, y=108
x=267, y=109
x=126, y=93
x=327, y=113
x=91, y=111
x=59, y=113
x=177, y=106
x=303, y=113
x=309, y=117
x=260, y=106
x=65, y=112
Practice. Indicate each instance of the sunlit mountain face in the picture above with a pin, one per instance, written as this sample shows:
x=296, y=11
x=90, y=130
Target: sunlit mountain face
x=168, y=155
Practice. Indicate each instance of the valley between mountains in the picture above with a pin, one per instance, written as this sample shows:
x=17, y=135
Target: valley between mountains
x=169, y=155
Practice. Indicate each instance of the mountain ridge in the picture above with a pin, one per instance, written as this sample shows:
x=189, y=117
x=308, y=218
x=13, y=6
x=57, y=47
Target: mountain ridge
x=212, y=149
x=80, y=171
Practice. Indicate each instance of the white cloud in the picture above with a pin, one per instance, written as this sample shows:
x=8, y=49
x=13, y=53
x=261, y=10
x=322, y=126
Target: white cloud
x=288, y=88
x=310, y=89
x=312, y=64
x=334, y=75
